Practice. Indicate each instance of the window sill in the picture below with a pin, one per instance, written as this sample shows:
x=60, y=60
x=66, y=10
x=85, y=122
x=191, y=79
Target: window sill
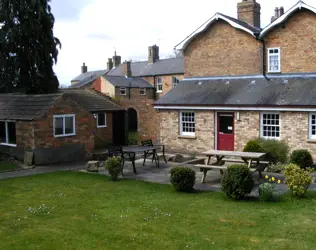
x=191, y=137
x=274, y=72
x=8, y=145
x=159, y=92
x=311, y=140
x=69, y=135
x=102, y=126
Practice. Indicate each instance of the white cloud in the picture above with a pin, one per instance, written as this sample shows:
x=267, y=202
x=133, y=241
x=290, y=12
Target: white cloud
x=131, y=26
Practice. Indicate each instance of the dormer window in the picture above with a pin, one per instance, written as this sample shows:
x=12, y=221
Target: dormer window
x=175, y=81
x=274, y=60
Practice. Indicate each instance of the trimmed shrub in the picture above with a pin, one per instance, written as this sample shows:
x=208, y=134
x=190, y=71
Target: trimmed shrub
x=182, y=179
x=266, y=191
x=302, y=158
x=253, y=146
x=132, y=138
x=277, y=151
x=114, y=166
x=237, y=181
x=297, y=179
x=275, y=168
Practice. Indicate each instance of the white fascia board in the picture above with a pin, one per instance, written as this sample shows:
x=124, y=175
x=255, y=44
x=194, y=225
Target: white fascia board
x=211, y=21
x=234, y=108
x=286, y=15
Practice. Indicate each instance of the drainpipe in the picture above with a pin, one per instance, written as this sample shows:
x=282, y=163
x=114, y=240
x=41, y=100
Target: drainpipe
x=155, y=91
x=264, y=59
x=129, y=89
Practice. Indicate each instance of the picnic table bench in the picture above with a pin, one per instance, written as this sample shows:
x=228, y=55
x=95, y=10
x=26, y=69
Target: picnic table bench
x=251, y=159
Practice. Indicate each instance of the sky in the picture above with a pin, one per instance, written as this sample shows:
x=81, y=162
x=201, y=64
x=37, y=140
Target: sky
x=91, y=30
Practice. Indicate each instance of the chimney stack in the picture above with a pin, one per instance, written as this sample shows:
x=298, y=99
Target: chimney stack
x=249, y=12
x=116, y=60
x=153, y=54
x=127, y=70
x=84, y=68
x=110, y=64
x=277, y=13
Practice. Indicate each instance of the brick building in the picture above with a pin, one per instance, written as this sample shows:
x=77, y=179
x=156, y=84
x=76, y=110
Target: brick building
x=243, y=82
x=136, y=85
x=60, y=127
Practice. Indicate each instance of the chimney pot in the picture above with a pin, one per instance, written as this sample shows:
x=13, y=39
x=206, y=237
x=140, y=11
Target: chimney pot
x=116, y=60
x=276, y=12
x=281, y=11
x=127, y=70
x=110, y=64
x=84, y=68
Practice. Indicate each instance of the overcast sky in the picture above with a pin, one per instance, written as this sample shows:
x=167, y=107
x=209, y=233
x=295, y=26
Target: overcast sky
x=90, y=30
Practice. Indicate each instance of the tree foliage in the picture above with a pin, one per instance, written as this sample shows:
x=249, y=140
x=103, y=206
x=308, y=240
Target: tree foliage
x=28, y=47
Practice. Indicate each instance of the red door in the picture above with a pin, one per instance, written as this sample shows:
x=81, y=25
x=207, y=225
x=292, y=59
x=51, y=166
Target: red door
x=225, y=131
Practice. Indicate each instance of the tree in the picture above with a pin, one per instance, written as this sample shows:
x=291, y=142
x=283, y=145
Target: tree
x=28, y=48
x=175, y=54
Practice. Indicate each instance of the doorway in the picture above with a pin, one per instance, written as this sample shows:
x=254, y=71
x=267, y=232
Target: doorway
x=225, y=131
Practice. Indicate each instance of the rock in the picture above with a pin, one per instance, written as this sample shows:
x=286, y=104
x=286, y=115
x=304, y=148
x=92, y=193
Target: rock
x=28, y=158
x=178, y=158
x=92, y=166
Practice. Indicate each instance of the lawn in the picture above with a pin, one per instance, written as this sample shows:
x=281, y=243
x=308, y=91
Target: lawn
x=7, y=166
x=69, y=210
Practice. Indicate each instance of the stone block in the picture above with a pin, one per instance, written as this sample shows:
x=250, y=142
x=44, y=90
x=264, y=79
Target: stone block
x=92, y=166
x=28, y=158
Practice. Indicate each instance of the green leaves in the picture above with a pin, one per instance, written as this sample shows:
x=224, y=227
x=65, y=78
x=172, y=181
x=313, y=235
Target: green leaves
x=28, y=47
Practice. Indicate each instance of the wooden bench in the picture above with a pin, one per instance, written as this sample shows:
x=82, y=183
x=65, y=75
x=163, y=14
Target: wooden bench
x=206, y=168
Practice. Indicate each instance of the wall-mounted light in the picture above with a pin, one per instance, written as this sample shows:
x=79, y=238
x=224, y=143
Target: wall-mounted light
x=95, y=116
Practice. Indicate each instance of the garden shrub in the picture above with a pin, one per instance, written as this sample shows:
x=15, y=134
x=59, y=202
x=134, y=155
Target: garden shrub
x=132, y=138
x=297, y=179
x=266, y=191
x=182, y=179
x=275, y=168
x=302, y=158
x=277, y=151
x=114, y=166
x=237, y=181
x=253, y=146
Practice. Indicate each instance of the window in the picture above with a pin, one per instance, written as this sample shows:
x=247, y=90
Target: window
x=122, y=91
x=159, y=85
x=64, y=125
x=270, y=125
x=312, y=126
x=274, y=60
x=175, y=81
x=101, y=120
x=187, y=123
x=7, y=133
x=142, y=91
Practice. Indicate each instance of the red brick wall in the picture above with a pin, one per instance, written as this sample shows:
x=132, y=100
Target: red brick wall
x=297, y=41
x=104, y=135
x=85, y=125
x=97, y=84
x=223, y=50
x=25, y=134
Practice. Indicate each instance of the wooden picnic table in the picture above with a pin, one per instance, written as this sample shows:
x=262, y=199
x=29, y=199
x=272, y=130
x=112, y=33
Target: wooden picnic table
x=249, y=158
x=131, y=151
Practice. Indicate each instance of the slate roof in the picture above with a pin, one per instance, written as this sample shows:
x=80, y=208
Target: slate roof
x=134, y=82
x=87, y=78
x=160, y=67
x=32, y=107
x=285, y=90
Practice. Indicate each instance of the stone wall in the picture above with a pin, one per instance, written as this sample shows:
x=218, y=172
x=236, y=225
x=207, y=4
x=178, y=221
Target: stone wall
x=296, y=38
x=223, y=50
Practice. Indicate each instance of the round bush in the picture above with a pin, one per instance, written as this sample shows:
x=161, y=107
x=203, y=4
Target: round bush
x=182, y=179
x=302, y=158
x=237, y=181
x=277, y=151
x=114, y=167
x=253, y=146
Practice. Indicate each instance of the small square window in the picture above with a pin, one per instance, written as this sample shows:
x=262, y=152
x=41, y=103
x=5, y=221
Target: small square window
x=142, y=91
x=123, y=91
x=64, y=125
x=270, y=125
x=312, y=126
x=101, y=120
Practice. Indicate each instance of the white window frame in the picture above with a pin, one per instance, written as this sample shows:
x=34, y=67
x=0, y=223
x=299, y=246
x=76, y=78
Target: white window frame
x=181, y=123
x=310, y=134
x=175, y=81
x=7, y=134
x=279, y=54
x=73, y=125
x=261, y=125
x=101, y=126
x=159, y=83
x=123, y=89
x=144, y=89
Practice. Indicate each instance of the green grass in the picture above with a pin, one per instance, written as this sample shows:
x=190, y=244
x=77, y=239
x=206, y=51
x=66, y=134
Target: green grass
x=7, y=166
x=85, y=211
